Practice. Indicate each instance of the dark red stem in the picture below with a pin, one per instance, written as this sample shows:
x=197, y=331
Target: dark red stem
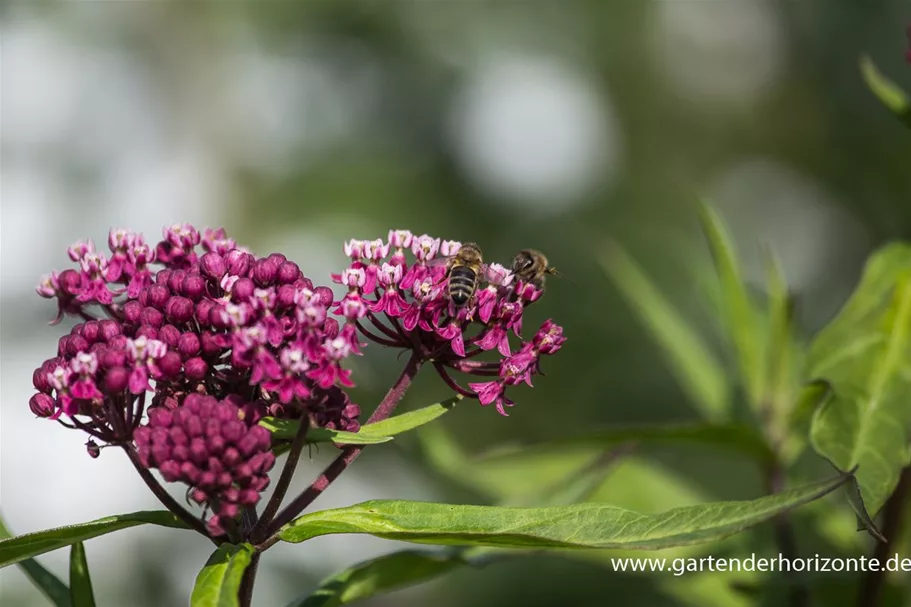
x=451, y=382
x=284, y=481
x=895, y=510
x=167, y=501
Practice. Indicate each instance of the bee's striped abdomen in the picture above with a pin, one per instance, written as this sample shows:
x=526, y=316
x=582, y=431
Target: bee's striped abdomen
x=462, y=284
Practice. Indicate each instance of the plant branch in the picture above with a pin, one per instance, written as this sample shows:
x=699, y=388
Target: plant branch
x=798, y=596
x=349, y=453
x=167, y=501
x=284, y=480
x=245, y=596
x=893, y=512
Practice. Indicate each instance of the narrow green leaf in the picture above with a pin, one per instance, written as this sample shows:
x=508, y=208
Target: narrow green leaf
x=380, y=575
x=16, y=549
x=80, y=581
x=741, y=319
x=287, y=429
x=889, y=93
x=404, y=422
x=576, y=526
x=218, y=583
x=694, y=365
x=48, y=583
x=867, y=422
x=379, y=432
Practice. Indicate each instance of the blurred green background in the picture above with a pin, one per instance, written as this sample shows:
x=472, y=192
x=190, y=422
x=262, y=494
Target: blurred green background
x=556, y=125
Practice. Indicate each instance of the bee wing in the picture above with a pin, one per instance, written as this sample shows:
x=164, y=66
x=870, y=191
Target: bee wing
x=561, y=275
x=440, y=261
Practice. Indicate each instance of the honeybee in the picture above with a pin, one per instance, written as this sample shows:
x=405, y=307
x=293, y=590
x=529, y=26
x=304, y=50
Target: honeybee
x=465, y=269
x=531, y=266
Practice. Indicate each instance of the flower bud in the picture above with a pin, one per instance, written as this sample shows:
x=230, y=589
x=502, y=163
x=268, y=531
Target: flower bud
x=179, y=310
x=41, y=405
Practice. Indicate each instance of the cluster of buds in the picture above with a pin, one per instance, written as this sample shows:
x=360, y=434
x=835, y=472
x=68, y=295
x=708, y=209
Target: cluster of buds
x=214, y=448
x=403, y=301
x=179, y=321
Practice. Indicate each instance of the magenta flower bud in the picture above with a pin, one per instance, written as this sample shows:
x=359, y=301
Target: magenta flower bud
x=238, y=262
x=152, y=317
x=116, y=380
x=196, y=369
x=265, y=271
x=160, y=418
x=248, y=497
x=285, y=296
x=158, y=296
x=169, y=334
x=131, y=311
x=189, y=472
x=243, y=290
x=179, y=310
x=147, y=331
x=41, y=405
x=91, y=331
x=170, y=364
x=194, y=287
x=228, y=510
x=93, y=449
x=211, y=345
x=69, y=281
x=110, y=329
x=170, y=470
x=76, y=344
x=204, y=311
x=188, y=344
x=213, y=265
x=288, y=272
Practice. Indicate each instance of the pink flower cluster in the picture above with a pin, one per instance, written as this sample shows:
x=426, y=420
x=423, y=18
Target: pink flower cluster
x=398, y=296
x=214, y=448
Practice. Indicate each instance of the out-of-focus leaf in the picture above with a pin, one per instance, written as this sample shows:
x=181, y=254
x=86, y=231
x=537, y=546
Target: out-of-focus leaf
x=576, y=526
x=741, y=318
x=811, y=396
x=218, y=583
x=889, y=93
x=380, y=575
x=369, y=434
x=80, y=581
x=737, y=438
x=865, y=354
x=16, y=549
x=48, y=583
x=782, y=351
x=695, y=366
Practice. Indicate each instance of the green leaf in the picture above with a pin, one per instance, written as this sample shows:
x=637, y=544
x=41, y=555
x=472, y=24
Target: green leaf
x=218, y=583
x=380, y=575
x=16, y=549
x=398, y=424
x=737, y=438
x=576, y=526
x=889, y=93
x=370, y=434
x=408, y=568
x=695, y=366
x=287, y=429
x=741, y=318
x=865, y=354
x=48, y=583
x=80, y=581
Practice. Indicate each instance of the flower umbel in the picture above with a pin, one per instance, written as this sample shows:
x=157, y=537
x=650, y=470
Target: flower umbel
x=217, y=324
x=402, y=301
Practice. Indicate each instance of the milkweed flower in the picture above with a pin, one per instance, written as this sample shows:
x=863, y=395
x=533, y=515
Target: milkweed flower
x=398, y=296
x=194, y=314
